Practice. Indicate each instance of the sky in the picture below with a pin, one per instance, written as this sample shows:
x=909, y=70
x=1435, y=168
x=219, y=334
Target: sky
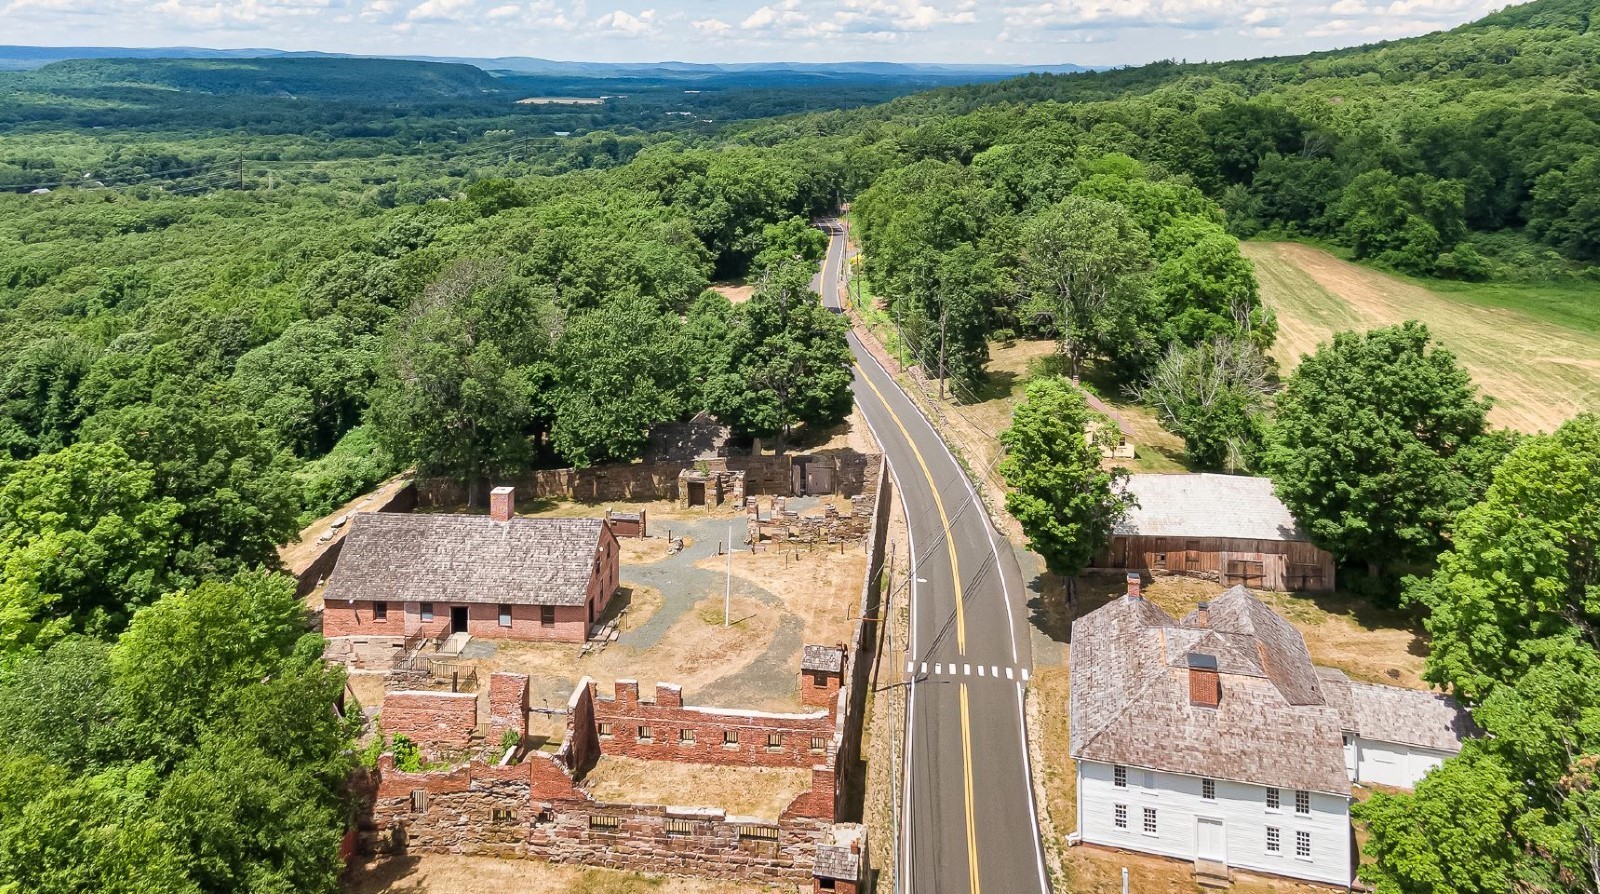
x=1034, y=32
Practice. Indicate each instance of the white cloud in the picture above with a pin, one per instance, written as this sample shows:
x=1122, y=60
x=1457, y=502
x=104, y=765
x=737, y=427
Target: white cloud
x=712, y=27
x=622, y=23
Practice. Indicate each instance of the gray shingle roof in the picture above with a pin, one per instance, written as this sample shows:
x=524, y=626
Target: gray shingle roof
x=1130, y=696
x=823, y=658
x=1207, y=506
x=1403, y=716
x=466, y=558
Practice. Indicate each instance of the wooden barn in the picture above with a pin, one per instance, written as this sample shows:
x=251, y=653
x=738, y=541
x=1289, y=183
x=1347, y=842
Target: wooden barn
x=1228, y=528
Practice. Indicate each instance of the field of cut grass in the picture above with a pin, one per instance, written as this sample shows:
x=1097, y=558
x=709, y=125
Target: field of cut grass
x=1535, y=349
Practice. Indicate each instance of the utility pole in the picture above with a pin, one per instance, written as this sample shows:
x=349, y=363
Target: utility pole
x=241, y=172
x=944, y=315
x=727, y=595
x=900, y=339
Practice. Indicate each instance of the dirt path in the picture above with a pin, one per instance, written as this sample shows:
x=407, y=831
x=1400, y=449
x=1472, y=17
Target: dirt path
x=300, y=554
x=1539, y=373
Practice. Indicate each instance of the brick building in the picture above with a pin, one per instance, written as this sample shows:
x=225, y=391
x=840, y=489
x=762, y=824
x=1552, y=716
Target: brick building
x=496, y=576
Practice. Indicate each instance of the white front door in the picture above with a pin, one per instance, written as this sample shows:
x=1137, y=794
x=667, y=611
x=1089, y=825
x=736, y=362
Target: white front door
x=1210, y=844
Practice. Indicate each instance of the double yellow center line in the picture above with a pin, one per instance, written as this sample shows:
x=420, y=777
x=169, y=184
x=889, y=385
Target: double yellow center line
x=961, y=627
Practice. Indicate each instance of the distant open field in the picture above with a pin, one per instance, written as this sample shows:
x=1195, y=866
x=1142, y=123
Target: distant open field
x=561, y=101
x=1542, y=365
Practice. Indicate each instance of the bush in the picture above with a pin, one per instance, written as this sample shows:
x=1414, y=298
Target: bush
x=407, y=756
x=354, y=466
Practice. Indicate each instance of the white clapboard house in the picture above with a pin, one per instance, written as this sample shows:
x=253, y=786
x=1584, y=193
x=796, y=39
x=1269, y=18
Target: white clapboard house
x=1215, y=739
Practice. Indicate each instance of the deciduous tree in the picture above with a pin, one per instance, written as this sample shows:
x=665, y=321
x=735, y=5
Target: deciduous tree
x=1371, y=443
x=1066, y=504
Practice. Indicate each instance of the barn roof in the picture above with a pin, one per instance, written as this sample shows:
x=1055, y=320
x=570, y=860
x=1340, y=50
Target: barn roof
x=1207, y=505
x=1131, y=701
x=466, y=558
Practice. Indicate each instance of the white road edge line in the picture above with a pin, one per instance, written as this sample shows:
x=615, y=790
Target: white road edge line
x=1044, y=884
x=904, y=845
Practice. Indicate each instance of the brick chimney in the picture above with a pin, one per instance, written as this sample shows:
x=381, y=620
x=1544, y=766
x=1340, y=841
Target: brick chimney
x=1205, y=685
x=1134, y=585
x=1202, y=615
x=502, y=503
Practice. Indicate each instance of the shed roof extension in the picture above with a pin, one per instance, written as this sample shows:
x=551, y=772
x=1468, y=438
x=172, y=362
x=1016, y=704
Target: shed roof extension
x=1207, y=505
x=1412, y=717
x=466, y=558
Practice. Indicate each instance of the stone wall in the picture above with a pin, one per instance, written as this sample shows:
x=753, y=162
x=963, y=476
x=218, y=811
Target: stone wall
x=702, y=736
x=318, y=569
x=852, y=474
x=534, y=809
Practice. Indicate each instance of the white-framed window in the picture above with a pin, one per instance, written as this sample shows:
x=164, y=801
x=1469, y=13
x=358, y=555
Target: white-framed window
x=1147, y=780
x=505, y=616
x=730, y=738
x=1302, y=801
x=427, y=611
x=1302, y=845
x=686, y=737
x=1274, y=840
x=1119, y=815
x=1119, y=776
x=646, y=734
x=1274, y=799
x=1208, y=789
x=603, y=729
x=1149, y=821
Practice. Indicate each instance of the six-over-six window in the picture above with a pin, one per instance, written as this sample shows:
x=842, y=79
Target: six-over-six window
x=1208, y=791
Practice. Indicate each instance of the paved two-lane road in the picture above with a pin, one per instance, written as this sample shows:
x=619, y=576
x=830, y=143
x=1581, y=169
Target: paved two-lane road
x=967, y=811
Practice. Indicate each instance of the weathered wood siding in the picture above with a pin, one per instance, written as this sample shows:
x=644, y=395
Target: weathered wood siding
x=1259, y=564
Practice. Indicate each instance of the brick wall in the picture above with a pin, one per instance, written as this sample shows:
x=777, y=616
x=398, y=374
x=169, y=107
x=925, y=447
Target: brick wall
x=341, y=618
x=436, y=721
x=819, y=689
x=508, y=705
x=802, y=740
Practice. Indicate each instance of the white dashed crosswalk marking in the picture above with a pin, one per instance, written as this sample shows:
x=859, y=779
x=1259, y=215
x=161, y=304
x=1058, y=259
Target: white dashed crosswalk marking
x=940, y=669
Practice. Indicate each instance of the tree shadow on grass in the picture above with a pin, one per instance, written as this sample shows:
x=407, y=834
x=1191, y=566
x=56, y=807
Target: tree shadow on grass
x=386, y=875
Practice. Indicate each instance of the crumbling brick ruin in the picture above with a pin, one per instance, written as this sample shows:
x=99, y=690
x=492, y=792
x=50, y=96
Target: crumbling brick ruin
x=783, y=525
x=515, y=801
x=533, y=804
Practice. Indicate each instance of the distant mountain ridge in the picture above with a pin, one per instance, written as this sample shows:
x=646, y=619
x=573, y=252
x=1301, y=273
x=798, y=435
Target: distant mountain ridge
x=27, y=57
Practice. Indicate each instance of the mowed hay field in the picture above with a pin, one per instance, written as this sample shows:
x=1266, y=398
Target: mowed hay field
x=1540, y=373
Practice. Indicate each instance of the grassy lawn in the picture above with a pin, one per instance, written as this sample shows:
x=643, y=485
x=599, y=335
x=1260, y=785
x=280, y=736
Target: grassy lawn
x=1535, y=349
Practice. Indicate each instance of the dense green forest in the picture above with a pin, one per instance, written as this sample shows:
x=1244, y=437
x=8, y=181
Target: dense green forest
x=234, y=294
